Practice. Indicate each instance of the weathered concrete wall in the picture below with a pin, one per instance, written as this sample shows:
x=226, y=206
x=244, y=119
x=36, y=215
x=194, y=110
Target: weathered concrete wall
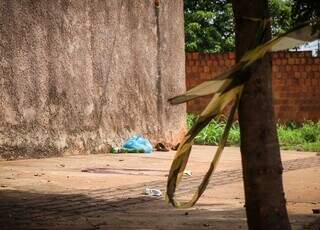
x=81, y=75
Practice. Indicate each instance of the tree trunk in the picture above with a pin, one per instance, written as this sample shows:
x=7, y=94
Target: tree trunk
x=261, y=162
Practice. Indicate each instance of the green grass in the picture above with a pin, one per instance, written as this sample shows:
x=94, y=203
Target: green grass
x=304, y=137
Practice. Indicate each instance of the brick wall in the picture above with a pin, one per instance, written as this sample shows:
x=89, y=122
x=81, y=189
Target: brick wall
x=295, y=82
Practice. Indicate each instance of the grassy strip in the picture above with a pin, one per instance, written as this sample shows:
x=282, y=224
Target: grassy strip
x=304, y=137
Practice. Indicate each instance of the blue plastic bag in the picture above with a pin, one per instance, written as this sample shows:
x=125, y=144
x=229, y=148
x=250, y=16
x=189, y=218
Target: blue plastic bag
x=138, y=143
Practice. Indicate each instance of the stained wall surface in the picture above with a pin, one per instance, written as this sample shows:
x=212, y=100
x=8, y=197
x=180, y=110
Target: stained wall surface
x=80, y=76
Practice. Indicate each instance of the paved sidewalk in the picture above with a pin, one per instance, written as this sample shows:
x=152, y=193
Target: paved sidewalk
x=105, y=191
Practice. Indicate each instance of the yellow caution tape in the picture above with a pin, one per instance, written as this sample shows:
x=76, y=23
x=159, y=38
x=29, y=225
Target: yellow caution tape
x=226, y=88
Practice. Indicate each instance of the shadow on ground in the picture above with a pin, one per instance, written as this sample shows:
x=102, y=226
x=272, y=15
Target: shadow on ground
x=26, y=210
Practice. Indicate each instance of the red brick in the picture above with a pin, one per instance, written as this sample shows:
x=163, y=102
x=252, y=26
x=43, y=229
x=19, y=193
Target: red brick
x=215, y=57
x=288, y=54
x=230, y=63
x=294, y=54
x=275, y=68
x=277, y=61
x=310, y=61
x=202, y=56
x=308, y=68
x=194, y=69
x=295, y=68
x=275, y=55
x=303, y=61
x=290, y=61
x=277, y=75
x=310, y=75
x=307, y=82
x=314, y=82
x=232, y=56
x=301, y=68
x=297, y=74
x=288, y=68
x=315, y=68
x=284, y=61
x=293, y=84
x=215, y=63
x=203, y=76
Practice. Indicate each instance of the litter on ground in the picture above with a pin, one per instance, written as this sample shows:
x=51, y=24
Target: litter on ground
x=135, y=144
x=153, y=192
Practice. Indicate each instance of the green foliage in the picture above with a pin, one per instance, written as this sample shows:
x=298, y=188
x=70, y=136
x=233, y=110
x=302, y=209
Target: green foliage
x=212, y=133
x=305, y=137
x=209, y=24
x=305, y=10
x=281, y=13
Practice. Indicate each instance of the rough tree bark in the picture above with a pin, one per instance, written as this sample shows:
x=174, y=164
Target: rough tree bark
x=261, y=162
